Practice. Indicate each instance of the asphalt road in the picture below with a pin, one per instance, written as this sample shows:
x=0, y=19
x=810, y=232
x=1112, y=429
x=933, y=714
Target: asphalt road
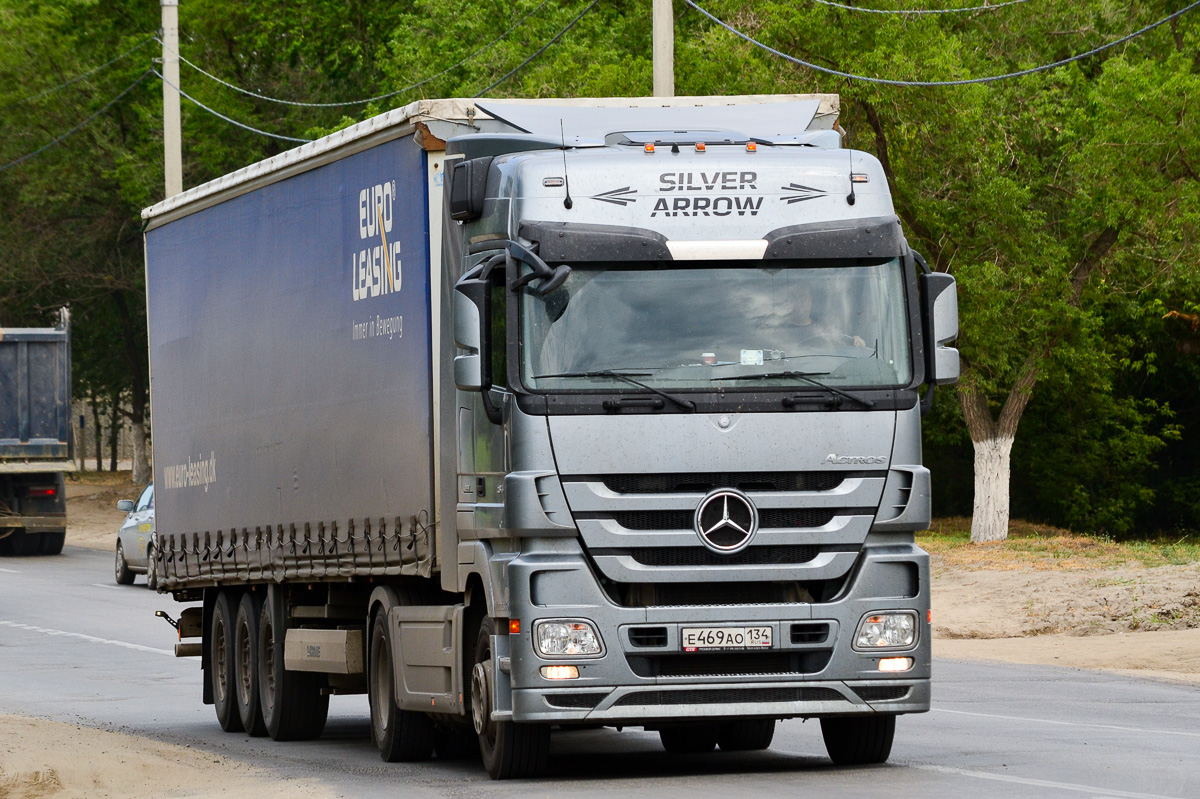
x=76, y=647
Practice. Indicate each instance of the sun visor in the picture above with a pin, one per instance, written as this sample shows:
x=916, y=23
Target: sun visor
x=781, y=123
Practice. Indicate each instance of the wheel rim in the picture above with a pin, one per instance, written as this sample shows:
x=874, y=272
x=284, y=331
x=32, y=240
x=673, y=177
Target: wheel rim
x=245, y=670
x=151, y=568
x=381, y=688
x=120, y=570
x=220, y=659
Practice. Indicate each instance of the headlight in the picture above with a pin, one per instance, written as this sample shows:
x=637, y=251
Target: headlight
x=886, y=631
x=567, y=638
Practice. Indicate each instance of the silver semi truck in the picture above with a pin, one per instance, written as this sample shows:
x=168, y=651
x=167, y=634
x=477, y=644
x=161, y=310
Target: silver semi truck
x=36, y=447
x=519, y=415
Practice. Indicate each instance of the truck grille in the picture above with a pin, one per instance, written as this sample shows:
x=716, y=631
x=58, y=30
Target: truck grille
x=703, y=482
x=684, y=519
x=726, y=696
x=699, y=556
x=729, y=664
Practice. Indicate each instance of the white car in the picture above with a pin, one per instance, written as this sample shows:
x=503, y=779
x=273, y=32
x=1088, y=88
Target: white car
x=135, y=540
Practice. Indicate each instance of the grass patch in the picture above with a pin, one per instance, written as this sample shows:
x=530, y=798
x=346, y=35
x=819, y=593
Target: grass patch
x=1032, y=546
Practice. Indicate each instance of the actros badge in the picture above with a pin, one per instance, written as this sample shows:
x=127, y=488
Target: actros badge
x=726, y=521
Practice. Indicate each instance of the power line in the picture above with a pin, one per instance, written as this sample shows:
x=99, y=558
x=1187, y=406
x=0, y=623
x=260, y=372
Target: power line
x=887, y=82
x=543, y=48
x=87, y=74
x=416, y=85
x=907, y=11
x=105, y=107
x=231, y=121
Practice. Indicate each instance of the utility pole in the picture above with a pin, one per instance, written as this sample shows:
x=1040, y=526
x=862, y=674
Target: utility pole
x=172, y=138
x=664, y=49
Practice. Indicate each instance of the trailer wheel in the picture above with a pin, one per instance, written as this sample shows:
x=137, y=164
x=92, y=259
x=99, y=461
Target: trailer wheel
x=52, y=542
x=221, y=665
x=510, y=750
x=746, y=735
x=852, y=741
x=294, y=704
x=245, y=661
x=152, y=576
x=400, y=735
x=692, y=740
x=123, y=574
x=22, y=543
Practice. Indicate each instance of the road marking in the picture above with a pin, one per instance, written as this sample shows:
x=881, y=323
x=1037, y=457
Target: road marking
x=1069, y=723
x=111, y=587
x=93, y=639
x=1098, y=793
x=10, y=571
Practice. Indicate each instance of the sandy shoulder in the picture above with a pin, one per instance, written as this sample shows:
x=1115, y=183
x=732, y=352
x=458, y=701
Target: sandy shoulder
x=92, y=515
x=1165, y=655
x=42, y=759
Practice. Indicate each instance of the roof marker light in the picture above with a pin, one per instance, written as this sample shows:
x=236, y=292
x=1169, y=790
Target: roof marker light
x=751, y=147
x=859, y=177
x=700, y=147
x=650, y=147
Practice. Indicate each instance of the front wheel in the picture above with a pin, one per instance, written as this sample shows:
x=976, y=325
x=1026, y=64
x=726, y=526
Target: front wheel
x=858, y=740
x=121, y=568
x=510, y=750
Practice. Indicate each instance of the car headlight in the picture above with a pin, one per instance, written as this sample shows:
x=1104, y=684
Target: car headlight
x=886, y=631
x=567, y=638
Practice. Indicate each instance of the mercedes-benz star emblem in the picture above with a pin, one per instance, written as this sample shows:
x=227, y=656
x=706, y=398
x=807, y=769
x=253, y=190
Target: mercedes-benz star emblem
x=726, y=521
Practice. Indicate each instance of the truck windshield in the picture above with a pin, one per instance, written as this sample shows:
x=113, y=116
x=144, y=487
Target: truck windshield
x=723, y=324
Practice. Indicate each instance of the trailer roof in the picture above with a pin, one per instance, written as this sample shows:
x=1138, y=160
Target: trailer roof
x=819, y=112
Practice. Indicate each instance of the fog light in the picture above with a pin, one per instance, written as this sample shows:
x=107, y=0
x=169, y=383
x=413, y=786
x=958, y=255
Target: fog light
x=886, y=631
x=895, y=664
x=560, y=637
x=571, y=673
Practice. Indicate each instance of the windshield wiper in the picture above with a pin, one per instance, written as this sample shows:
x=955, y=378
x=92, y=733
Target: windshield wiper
x=807, y=377
x=628, y=377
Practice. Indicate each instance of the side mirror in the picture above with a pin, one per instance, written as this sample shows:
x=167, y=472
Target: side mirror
x=939, y=311
x=471, y=333
x=125, y=505
x=468, y=188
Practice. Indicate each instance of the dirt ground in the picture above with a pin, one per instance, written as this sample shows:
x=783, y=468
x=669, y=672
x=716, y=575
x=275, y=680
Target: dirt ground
x=40, y=759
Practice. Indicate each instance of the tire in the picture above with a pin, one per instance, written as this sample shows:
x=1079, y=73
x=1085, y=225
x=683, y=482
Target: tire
x=399, y=735
x=221, y=662
x=856, y=741
x=509, y=750
x=693, y=740
x=746, y=735
x=123, y=574
x=245, y=663
x=52, y=542
x=152, y=570
x=23, y=543
x=294, y=703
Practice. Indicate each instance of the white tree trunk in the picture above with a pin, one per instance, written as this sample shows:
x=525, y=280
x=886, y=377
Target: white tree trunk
x=989, y=520
x=141, y=463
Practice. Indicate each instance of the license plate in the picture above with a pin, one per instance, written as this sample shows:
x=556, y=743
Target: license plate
x=704, y=639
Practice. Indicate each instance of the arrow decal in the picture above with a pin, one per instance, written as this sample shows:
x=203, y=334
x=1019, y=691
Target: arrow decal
x=622, y=196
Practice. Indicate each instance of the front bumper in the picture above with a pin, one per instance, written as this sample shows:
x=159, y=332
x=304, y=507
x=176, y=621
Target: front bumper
x=811, y=671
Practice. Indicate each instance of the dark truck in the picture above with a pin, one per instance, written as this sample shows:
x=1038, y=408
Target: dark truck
x=524, y=415
x=35, y=437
